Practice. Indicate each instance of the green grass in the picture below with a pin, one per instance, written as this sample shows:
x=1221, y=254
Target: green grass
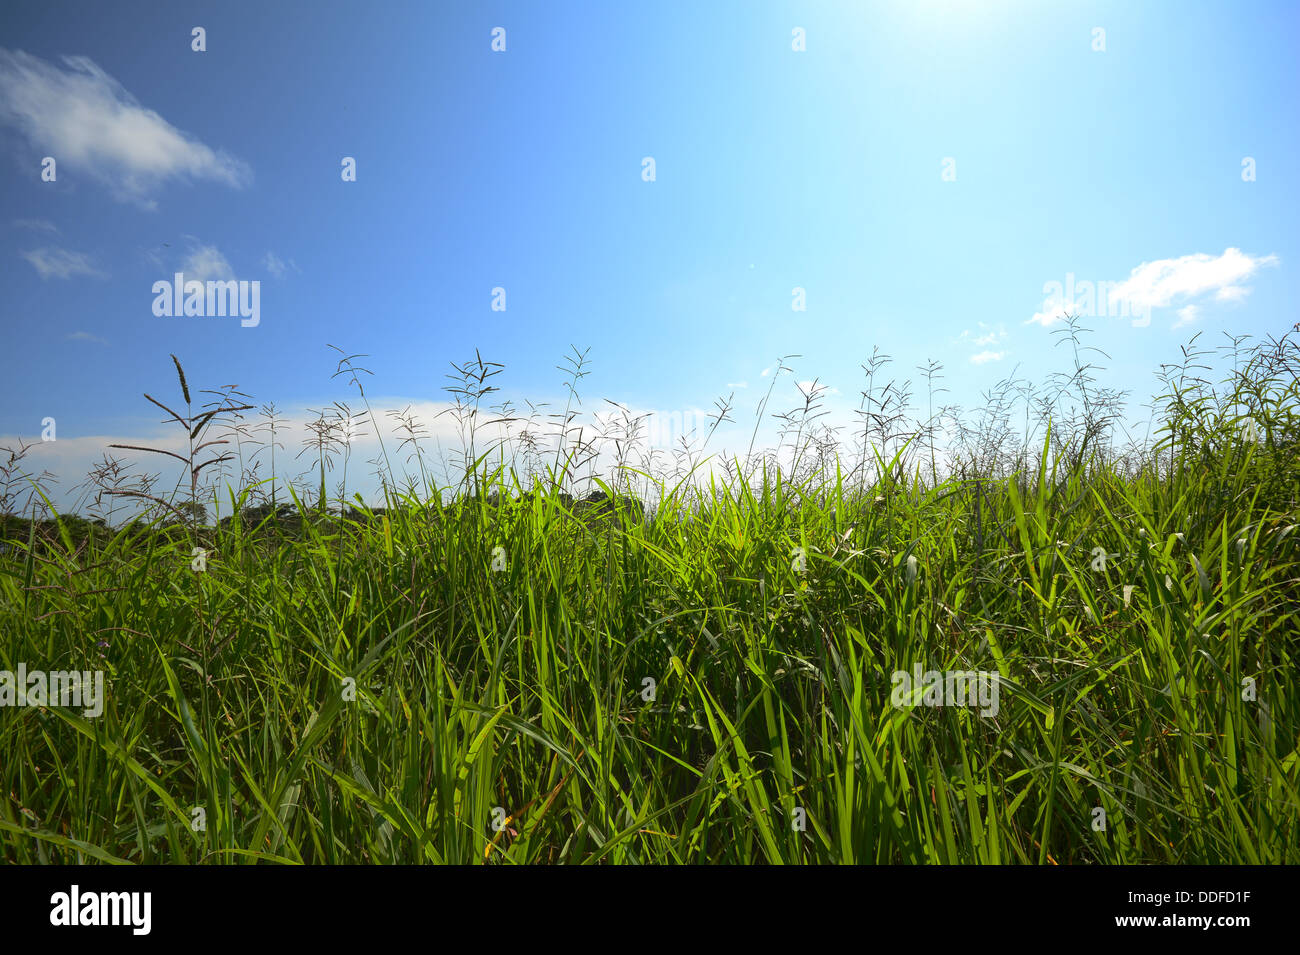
x=520, y=692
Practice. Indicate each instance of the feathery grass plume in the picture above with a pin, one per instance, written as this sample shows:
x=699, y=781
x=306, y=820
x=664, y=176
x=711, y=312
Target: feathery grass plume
x=189, y=511
x=180, y=373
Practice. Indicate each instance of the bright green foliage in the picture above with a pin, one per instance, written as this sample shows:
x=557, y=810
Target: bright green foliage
x=524, y=688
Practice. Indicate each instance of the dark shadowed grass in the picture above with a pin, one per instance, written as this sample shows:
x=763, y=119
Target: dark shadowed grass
x=388, y=686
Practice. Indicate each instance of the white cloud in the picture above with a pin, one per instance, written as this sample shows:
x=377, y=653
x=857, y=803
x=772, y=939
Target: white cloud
x=1186, y=315
x=737, y=384
x=206, y=263
x=1158, y=284
x=987, y=356
x=90, y=123
x=62, y=264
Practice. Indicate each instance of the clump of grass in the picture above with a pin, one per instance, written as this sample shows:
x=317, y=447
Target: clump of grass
x=506, y=675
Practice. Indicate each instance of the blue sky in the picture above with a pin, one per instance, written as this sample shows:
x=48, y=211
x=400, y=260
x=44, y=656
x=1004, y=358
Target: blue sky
x=823, y=169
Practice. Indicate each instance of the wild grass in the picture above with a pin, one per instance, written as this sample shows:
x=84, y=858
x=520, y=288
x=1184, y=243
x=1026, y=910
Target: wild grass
x=357, y=685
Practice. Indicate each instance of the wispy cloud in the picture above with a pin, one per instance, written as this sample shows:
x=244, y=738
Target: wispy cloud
x=85, y=337
x=1232, y=293
x=983, y=337
x=737, y=384
x=62, y=264
x=90, y=123
x=36, y=225
x=277, y=266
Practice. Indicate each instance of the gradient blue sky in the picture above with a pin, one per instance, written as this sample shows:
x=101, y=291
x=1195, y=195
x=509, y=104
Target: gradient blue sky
x=819, y=169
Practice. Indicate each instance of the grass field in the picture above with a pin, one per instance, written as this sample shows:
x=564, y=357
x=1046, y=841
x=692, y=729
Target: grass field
x=504, y=678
